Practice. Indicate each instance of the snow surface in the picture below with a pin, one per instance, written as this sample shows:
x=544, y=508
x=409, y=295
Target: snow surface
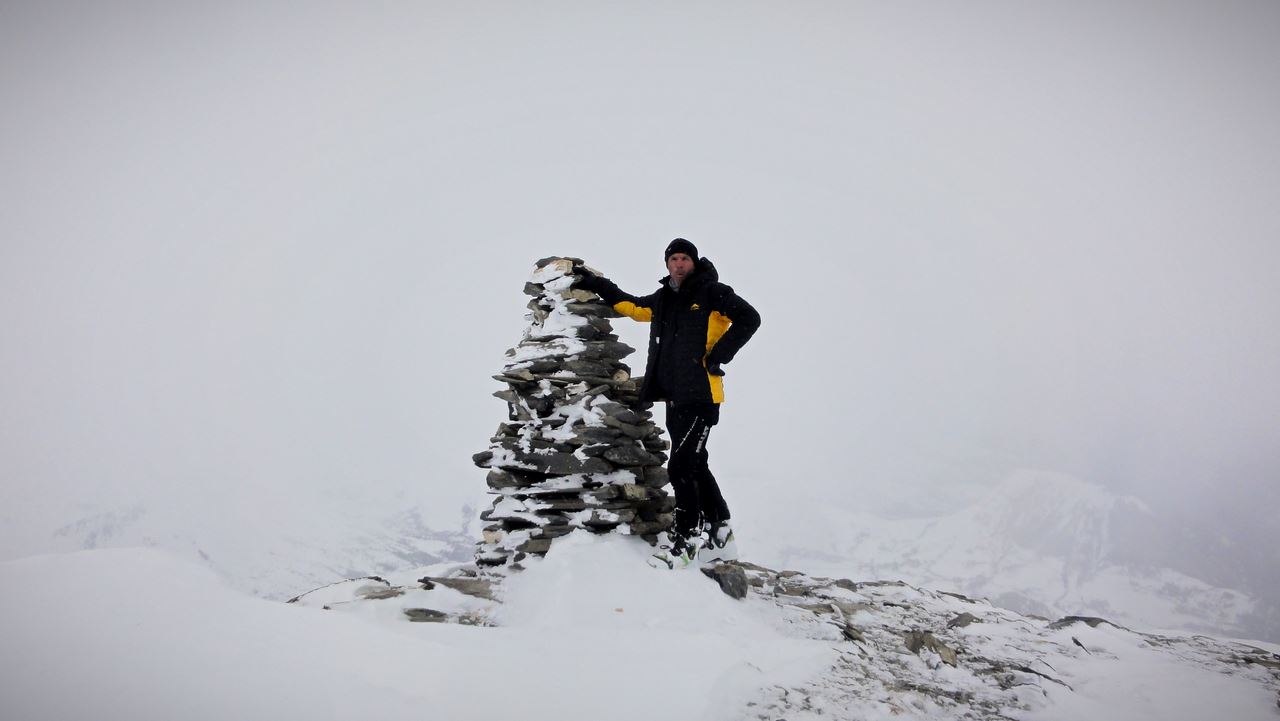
x=139, y=634
x=589, y=632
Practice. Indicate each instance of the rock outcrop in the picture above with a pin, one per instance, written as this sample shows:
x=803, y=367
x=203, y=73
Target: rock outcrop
x=578, y=450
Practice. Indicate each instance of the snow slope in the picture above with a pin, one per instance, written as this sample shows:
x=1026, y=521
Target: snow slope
x=139, y=634
x=588, y=633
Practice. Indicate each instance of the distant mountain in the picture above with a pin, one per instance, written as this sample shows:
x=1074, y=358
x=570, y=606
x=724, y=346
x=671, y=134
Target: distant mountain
x=1040, y=543
x=275, y=555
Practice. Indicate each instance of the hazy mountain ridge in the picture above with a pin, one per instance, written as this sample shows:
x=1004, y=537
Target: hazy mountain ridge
x=1040, y=543
x=274, y=560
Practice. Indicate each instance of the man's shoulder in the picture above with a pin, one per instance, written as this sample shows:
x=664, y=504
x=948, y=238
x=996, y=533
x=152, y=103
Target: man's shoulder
x=717, y=289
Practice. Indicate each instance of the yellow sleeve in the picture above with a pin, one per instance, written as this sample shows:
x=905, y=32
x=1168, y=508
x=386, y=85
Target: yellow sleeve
x=633, y=311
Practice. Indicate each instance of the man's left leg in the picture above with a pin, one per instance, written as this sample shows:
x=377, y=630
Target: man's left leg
x=715, y=512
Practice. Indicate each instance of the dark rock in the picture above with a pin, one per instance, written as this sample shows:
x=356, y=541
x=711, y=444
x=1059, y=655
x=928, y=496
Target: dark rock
x=515, y=376
x=508, y=395
x=595, y=449
x=592, y=435
x=588, y=368
x=611, y=350
x=631, y=430
x=788, y=589
x=561, y=463
x=426, y=615
x=499, y=479
x=655, y=443
x=594, y=309
x=916, y=640
x=849, y=608
x=732, y=579
x=555, y=530
x=602, y=325
x=963, y=620
x=1091, y=621
x=655, y=477
x=637, y=492
x=630, y=456
x=508, y=430
x=851, y=632
x=377, y=594
x=472, y=618
x=601, y=518
x=619, y=412
x=597, y=387
x=544, y=262
x=542, y=365
x=478, y=587
x=646, y=528
x=532, y=446
x=535, y=545
x=426, y=582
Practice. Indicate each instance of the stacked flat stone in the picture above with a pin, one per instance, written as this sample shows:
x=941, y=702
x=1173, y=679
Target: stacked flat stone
x=579, y=450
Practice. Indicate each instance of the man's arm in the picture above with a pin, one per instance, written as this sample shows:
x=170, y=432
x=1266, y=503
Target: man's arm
x=744, y=321
x=640, y=309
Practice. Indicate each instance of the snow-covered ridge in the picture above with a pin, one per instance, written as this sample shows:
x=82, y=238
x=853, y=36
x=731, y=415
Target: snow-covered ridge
x=884, y=649
x=592, y=623
x=1043, y=543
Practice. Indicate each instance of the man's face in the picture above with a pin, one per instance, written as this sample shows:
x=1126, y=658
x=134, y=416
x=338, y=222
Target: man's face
x=680, y=266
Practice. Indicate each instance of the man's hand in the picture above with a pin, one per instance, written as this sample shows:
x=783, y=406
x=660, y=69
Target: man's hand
x=586, y=279
x=714, y=368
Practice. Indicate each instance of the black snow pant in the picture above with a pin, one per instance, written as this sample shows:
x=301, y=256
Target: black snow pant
x=698, y=498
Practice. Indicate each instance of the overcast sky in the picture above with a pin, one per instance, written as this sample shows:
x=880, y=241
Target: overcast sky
x=251, y=253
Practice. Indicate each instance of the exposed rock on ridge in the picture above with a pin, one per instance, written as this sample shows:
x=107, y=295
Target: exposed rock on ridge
x=903, y=651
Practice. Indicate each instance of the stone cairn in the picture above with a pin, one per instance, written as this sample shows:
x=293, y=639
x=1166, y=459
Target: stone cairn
x=578, y=450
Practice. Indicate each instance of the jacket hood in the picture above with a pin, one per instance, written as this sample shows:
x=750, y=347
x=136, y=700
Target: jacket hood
x=704, y=271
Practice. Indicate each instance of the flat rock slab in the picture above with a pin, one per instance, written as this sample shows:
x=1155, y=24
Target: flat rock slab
x=478, y=587
x=1091, y=621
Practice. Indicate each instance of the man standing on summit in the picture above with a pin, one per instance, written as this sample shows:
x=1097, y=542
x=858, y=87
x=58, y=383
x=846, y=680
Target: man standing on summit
x=698, y=325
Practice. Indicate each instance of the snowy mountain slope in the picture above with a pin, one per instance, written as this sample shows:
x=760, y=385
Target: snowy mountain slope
x=1041, y=543
x=272, y=553
x=589, y=632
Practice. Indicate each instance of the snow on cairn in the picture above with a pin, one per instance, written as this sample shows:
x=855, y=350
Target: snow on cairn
x=578, y=450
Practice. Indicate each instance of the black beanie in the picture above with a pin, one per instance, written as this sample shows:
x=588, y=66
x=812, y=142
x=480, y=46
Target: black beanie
x=680, y=245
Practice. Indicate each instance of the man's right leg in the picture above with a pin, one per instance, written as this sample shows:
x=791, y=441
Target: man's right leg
x=685, y=429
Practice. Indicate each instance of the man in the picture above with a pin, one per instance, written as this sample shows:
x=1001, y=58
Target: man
x=697, y=325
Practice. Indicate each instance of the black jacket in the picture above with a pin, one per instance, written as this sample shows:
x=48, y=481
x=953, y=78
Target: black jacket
x=693, y=331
